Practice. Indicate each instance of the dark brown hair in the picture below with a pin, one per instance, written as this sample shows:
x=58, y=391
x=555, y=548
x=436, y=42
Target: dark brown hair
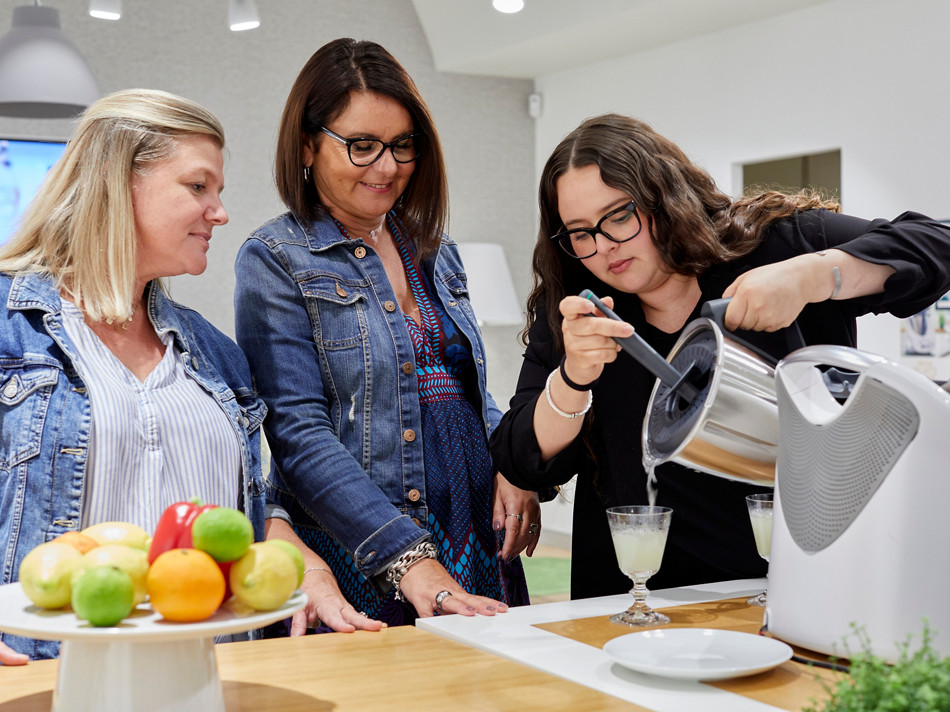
x=321, y=94
x=695, y=225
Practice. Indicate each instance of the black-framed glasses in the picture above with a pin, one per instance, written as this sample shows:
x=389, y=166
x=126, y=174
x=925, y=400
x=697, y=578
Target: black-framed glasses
x=581, y=242
x=366, y=151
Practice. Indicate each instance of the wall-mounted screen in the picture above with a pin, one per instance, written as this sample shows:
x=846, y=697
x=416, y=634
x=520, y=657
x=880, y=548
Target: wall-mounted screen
x=23, y=166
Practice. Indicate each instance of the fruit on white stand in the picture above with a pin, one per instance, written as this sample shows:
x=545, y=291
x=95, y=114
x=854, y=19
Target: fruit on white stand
x=103, y=595
x=119, y=533
x=46, y=574
x=264, y=578
x=131, y=560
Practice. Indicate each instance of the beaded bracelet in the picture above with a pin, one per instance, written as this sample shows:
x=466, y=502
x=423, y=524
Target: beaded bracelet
x=547, y=393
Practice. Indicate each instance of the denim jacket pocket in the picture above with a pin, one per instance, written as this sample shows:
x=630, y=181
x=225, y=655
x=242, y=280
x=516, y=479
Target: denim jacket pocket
x=337, y=307
x=25, y=391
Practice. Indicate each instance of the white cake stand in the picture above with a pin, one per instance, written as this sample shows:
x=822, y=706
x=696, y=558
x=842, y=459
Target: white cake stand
x=144, y=664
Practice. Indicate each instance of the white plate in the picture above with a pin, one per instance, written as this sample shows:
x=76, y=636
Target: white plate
x=697, y=653
x=19, y=616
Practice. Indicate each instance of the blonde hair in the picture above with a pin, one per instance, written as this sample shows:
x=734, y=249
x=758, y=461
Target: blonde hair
x=80, y=227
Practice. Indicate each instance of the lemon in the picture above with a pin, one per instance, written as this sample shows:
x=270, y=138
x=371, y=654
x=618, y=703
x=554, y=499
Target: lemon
x=46, y=572
x=264, y=578
x=119, y=533
x=223, y=532
x=131, y=560
x=103, y=595
x=294, y=554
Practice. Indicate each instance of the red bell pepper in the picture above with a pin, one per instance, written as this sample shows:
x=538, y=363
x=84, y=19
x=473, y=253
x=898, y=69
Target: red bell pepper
x=174, y=527
x=174, y=532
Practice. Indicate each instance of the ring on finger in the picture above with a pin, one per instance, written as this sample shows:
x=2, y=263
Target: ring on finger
x=533, y=528
x=440, y=599
x=519, y=517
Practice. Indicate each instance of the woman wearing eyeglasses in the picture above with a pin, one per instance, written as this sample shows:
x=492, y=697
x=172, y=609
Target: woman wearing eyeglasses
x=353, y=310
x=625, y=214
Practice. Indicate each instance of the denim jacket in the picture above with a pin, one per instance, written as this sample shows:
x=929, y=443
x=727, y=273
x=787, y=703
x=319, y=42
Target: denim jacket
x=331, y=355
x=45, y=417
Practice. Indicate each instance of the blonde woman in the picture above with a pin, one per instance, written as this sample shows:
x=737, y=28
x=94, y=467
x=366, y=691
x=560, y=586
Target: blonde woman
x=114, y=400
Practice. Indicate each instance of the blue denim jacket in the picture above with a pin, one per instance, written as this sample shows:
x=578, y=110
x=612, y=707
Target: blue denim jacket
x=332, y=358
x=45, y=417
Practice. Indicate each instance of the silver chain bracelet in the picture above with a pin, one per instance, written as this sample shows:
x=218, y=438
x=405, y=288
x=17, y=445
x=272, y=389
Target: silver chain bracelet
x=425, y=550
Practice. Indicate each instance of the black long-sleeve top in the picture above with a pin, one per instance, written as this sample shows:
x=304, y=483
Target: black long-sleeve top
x=710, y=536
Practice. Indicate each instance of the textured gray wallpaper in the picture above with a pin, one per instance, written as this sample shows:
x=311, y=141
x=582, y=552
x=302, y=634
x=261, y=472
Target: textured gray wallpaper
x=185, y=46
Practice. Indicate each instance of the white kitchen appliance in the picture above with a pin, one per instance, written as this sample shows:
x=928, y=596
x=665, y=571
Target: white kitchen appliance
x=861, y=528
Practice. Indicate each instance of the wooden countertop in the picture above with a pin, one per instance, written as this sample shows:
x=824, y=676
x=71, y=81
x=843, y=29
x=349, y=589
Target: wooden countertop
x=395, y=669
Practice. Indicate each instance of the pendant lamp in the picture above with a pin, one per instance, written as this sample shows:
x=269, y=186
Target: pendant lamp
x=42, y=74
x=242, y=15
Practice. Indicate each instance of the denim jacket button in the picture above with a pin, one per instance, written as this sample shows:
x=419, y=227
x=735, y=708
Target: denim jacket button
x=360, y=252
x=10, y=389
x=390, y=306
x=415, y=520
x=409, y=435
x=407, y=368
x=414, y=495
x=340, y=291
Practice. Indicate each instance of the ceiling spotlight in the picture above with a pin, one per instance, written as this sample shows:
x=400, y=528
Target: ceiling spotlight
x=242, y=15
x=508, y=6
x=42, y=74
x=105, y=9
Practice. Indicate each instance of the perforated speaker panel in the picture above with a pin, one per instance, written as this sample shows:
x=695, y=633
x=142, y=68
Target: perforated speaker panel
x=828, y=473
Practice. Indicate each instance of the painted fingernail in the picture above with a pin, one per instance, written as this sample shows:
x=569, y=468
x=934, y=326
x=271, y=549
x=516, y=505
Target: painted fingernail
x=496, y=526
x=490, y=608
x=470, y=608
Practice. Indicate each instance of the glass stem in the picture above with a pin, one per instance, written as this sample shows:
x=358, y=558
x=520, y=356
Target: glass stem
x=639, y=592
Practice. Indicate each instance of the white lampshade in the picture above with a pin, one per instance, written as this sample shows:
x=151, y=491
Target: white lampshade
x=42, y=74
x=242, y=15
x=508, y=6
x=105, y=9
x=490, y=287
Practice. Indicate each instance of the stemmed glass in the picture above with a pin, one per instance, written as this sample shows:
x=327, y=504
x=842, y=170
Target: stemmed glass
x=760, y=513
x=639, y=534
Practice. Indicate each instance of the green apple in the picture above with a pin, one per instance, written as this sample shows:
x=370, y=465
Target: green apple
x=103, y=595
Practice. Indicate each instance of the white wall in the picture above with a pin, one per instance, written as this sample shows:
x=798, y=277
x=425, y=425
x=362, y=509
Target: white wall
x=184, y=46
x=870, y=78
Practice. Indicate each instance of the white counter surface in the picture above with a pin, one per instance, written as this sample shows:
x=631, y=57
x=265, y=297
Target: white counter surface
x=513, y=635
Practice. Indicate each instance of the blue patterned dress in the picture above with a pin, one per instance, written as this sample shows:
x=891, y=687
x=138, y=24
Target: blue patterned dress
x=459, y=469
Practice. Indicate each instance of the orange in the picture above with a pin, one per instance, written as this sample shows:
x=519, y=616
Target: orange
x=80, y=542
x=185, y=585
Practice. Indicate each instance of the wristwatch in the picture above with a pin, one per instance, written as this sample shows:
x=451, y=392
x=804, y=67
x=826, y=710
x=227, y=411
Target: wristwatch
x=424, y=550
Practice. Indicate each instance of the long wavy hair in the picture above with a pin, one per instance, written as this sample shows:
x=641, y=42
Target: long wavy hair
x=695, y=225
x=80, y=227
x=321, y=94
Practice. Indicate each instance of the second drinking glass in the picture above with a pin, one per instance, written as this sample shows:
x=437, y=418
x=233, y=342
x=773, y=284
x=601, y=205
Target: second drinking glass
x=760, y=513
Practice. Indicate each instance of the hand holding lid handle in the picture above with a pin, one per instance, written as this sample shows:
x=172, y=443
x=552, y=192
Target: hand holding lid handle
x=763, y=343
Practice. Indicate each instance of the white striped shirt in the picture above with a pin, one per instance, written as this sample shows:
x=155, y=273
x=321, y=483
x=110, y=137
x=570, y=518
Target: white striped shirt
x=152, y=443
